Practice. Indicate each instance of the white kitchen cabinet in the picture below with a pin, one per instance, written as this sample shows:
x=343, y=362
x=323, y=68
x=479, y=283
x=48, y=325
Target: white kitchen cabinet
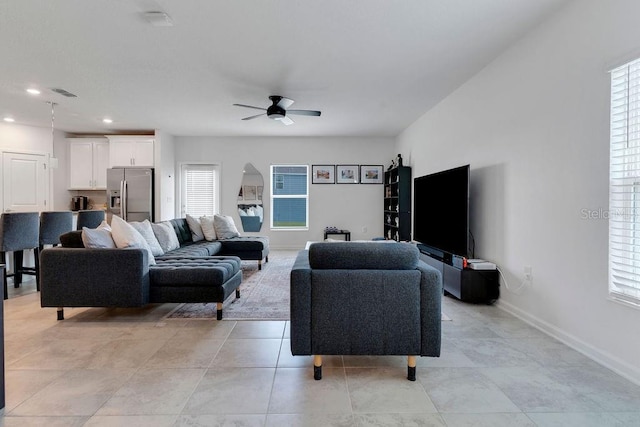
x=88, y=163
x=127, y=151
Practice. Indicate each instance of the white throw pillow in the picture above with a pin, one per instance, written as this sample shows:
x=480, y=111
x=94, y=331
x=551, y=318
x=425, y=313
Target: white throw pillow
x=251, y=211
x=104, y=225
x=126, y=236
x=166, y=236
x=144, y=228
x=260, y=212
x=242, y=212
x=196, y=228
x=97, y=238
x=224, y=226
x=207, y=228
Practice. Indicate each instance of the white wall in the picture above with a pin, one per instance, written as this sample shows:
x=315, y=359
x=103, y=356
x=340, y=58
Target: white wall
x=534, y=127
x=347, y=206
x=165, y=176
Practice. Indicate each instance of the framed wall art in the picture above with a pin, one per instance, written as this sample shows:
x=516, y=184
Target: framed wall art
x=371, y=174
x=347, y=174
x=323, y=174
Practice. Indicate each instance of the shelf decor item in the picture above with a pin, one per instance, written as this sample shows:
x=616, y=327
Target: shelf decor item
x=323, y=174
x=371, y=174
x=347, y=174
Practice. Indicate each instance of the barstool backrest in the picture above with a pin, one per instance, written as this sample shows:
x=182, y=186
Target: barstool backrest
x=53, y=224
x=89, y=219
x=19, y=231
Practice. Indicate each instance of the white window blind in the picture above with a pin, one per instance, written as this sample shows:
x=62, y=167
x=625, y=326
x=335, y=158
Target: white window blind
x=624, y=179
x=200, y=190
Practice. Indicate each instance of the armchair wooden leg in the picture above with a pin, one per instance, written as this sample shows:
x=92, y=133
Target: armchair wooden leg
x=411, y=368
x=219, y=311
x=238, y=292
x=317, y=367
x=60, y=313
x=260, y=265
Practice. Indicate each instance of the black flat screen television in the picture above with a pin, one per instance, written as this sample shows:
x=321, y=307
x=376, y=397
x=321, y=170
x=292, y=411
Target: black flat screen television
x=441, y=210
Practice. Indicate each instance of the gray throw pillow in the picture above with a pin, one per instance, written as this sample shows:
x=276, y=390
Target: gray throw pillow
x=166, y=236
x=144, y=228
x=225, y=227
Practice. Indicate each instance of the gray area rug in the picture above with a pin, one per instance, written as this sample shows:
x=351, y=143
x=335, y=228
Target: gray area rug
x=264, y=294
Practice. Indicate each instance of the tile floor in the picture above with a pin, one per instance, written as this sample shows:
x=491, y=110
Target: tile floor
x=132, y=367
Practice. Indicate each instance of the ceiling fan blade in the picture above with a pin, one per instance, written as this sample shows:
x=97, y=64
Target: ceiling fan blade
x=285, y=102
x=253, y=117
x=304, y=112
x=250, y=106
x=286, y=120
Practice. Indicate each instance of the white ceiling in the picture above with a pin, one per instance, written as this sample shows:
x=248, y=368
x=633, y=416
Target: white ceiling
x=372, y=66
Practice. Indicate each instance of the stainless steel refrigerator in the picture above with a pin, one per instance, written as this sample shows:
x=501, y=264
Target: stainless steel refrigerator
x=130, y=193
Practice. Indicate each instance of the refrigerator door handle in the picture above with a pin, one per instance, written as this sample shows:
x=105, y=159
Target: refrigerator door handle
x=123, y=200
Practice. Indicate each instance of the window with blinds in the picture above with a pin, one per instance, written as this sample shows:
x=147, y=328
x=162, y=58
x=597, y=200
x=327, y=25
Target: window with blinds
x=624, y=179
x=200, y=190
x=290, y=197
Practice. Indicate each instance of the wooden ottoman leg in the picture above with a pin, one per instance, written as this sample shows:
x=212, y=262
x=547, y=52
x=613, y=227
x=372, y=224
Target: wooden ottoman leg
x=238, y=292
x=60, y=313
x=260, y=265
x=317, y=367
x=411, y=368
x=219, y=311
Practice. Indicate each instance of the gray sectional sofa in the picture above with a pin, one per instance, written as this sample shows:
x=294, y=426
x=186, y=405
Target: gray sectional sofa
x=204, y=271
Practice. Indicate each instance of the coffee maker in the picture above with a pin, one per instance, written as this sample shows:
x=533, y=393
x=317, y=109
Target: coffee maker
x=79, y=203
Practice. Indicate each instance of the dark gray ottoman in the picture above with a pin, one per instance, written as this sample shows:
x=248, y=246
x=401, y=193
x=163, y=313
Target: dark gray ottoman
x=197, y=279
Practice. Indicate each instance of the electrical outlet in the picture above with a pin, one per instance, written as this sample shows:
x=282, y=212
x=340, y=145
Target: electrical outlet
x=364, y=229
x=528, y=273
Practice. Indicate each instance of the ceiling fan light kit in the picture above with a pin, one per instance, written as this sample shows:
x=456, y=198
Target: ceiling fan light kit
x=278, y=110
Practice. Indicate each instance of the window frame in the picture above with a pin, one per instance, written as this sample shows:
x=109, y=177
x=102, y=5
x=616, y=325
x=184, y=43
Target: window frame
x=274, y=181
x=624, y=185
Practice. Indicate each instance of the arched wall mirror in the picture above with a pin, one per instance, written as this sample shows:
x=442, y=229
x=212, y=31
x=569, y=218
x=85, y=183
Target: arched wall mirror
x=250, y=205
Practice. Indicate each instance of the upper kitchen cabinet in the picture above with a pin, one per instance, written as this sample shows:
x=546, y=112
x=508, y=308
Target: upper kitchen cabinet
x=127, y=151
x=88, y=163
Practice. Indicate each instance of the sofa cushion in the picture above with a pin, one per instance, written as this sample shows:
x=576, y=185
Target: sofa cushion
x=126, y=236
x=182, y=230
x=72, y=239
x=144, y=228
x=198, y=249
x=194, y=271
x=363, y=255
x=166, y=236
x=225, y=227
x=195, y=227
x=207, y=227
x=97, y=238
x=245, y=243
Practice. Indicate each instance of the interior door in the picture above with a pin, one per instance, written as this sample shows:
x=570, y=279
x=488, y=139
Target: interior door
x=25, y=182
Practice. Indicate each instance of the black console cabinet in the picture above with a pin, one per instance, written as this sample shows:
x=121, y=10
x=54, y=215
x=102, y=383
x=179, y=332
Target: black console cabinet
x=476, y=286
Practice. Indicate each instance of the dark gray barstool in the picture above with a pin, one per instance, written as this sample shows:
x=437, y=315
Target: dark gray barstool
x=52, y=225
x=19, y=231
x=89, y=219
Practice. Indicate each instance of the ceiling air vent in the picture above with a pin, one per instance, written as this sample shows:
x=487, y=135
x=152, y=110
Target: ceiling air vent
x=63, y=92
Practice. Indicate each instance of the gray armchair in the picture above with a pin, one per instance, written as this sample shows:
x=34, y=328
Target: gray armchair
x=364, y=298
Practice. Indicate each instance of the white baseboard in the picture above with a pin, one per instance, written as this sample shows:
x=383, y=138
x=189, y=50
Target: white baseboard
x=604, y=358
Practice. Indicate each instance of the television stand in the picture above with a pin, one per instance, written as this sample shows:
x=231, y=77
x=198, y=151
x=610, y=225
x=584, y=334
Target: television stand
x=475, y=286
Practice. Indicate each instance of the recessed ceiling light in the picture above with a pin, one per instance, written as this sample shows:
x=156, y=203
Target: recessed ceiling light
x=33, y=91
x=9, y=119
x=107, y=120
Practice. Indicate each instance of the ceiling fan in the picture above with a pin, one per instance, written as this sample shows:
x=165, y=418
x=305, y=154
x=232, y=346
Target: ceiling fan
x=278, y=110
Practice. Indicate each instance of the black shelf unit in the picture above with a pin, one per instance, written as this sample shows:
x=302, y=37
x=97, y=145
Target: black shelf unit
x=397, y=204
